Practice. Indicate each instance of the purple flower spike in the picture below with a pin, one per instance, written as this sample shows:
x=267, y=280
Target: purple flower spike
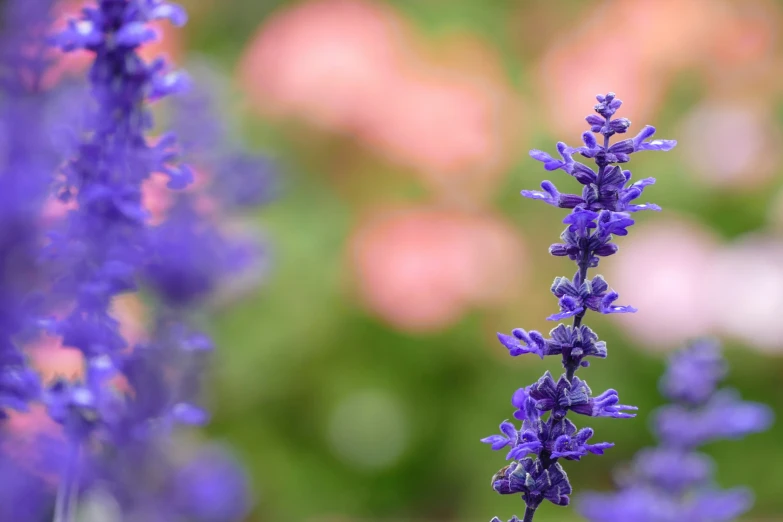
x=673, y=481
x=119, y=417
x=599, y=211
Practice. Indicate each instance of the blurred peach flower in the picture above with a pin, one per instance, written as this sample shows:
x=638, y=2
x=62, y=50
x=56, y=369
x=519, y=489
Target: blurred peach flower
x=663, y=272
x=421, y=269
x=451, y=119
x=730, y=144
x=646, y=44
x=324, y=60
x=742, y=51
x=633, y=57
x=353, y=66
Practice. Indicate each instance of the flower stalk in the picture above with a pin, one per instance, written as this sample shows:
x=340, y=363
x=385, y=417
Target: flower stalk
x=602, y=211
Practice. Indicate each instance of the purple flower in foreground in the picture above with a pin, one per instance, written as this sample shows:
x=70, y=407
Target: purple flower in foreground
x=673, y=482
x=599, y=213
x=106, y=247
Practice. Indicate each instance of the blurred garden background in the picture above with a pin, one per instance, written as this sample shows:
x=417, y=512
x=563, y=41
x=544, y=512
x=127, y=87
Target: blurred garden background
x=356, y=381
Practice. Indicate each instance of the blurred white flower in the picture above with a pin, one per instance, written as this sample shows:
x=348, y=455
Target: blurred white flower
x=747, y=291
x=662, y=270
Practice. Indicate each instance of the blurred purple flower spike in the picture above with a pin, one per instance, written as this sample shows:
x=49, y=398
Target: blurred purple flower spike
x=106, y=247
x=673, y=481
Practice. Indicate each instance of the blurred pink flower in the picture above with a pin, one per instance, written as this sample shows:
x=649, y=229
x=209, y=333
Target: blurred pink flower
x=748, y=275
x=655, y=37
x=353, y=66
x=634, y=57
x=325, y=60
x=663, y=271
x=449, y=121
x=420, y=269
x=730, y=144
x=747, y=37
x=573, y=73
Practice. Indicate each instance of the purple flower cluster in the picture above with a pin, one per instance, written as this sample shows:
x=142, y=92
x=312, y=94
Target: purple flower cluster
x=118, y=417
x=673, y=481
x=602, y=211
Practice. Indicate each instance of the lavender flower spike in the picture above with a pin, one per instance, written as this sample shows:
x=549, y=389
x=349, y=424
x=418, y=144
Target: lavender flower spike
x=673, y=482
x=602, y=210
x=99, y=251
